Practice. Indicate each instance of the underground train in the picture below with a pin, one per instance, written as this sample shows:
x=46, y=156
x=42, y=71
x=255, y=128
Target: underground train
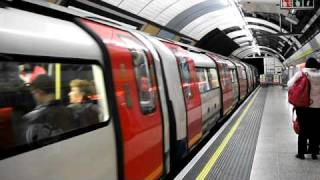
x=157, y=98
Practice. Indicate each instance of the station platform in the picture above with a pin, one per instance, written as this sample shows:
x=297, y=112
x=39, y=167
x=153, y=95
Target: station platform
x=256, y=143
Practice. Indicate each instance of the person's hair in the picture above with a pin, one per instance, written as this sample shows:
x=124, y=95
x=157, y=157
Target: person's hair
x=312, y=63
x=44, y=83
x=83, y=85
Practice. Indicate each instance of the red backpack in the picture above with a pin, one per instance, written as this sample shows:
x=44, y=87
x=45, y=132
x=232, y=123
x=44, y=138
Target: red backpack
x=299, y=93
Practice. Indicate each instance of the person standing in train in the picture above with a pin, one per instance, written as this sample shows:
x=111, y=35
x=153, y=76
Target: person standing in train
x=49, y=117
x=308, y=122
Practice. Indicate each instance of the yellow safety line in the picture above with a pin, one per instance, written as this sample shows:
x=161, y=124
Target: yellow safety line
x=58, y=81
x=204, y=172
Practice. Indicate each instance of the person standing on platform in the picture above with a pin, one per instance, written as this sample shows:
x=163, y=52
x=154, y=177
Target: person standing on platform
x=307, y=116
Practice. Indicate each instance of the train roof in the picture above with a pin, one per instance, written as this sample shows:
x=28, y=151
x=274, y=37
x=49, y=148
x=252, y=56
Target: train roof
x=27, y=33
x=202, y=60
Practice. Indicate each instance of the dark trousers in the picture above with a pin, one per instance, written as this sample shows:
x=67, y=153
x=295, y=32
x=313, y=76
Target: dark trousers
x=309, y=124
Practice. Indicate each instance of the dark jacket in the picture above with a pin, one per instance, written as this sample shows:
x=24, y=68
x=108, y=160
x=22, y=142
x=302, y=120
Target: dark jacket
x=85, y=114
x=47, y=120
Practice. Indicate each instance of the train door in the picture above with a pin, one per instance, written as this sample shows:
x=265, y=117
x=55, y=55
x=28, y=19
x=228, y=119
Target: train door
x=243, y=84
x=235, y=83
x=253, y=69
x=249, y=77
x=210, y=96
x=138, y=104
x=226, y=85
x=192, y=99
x=191, y=93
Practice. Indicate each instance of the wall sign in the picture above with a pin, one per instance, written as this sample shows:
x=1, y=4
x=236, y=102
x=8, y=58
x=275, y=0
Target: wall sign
x=296, y=4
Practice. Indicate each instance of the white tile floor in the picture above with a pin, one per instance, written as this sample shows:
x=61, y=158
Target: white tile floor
x=277, y=144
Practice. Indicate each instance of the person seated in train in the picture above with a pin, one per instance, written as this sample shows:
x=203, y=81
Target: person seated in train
x=83, y=103
x=49, y=117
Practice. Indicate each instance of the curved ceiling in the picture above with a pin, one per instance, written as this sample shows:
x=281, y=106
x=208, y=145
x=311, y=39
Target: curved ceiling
x=258, y=23
x=244, y=52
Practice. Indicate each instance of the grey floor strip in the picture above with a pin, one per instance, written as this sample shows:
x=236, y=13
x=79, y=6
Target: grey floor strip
x=236, y=160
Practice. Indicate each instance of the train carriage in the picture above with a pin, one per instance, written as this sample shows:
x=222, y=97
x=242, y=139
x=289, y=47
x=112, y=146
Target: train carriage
x=190, y=91
x=235, y=82
x=138, y=101
x=226, y=83
x=249, y=77
x=62, y=51
x=209, y=87
x=242, y=76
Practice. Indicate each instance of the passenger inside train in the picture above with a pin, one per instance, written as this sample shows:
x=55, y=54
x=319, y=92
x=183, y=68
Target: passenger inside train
x=49, y=117
x=82, y=103
x=37, y=102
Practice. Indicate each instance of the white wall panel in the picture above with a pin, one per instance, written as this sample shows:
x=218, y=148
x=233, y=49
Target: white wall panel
x=238, y=33
x=228, y=25
x=246, y=50
x=155, y=8
x=134, y=6
x=113, y=2
x=201, y=23
x=174, y=10
x=206, y=23
x=243, y=39
x=244, y=44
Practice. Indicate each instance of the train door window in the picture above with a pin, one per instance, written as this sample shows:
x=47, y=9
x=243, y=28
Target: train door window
x=39, y=102
x=144, y=74
x=224, y=74
x=213, y=78
x=239, y=74
x=243, y=71
x=233, y=76
x=143, y=79
x=185, y=77
x=203, y=81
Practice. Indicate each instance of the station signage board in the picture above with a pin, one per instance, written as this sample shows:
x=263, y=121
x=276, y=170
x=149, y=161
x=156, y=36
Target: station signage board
x=296, y=4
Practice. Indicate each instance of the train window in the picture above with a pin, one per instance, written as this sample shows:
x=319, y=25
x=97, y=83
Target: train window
x=243, y=72
x=213, y=78
x=144, y=83
x=41, y=101
x=233, y=75
x=144, y=74
x=185, y=77
x=239, y=74
x=203, y=81
x=225, y=71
